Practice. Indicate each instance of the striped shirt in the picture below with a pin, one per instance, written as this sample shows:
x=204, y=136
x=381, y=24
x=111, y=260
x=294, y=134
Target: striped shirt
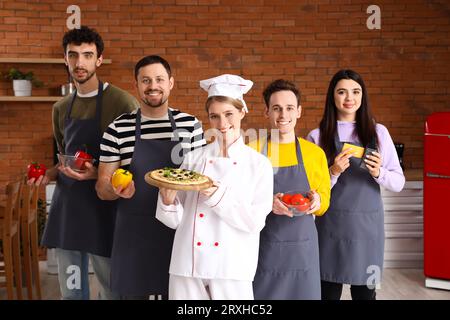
x=119, y=138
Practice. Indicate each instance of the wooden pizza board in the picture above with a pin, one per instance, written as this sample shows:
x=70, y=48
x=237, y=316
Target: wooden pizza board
x=161, y=184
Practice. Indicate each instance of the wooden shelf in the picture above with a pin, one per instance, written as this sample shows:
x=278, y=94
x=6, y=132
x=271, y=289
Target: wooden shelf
x=31, y=98
x=41, y=60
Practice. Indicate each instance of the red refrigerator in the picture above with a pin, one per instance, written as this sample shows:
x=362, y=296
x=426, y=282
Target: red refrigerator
x=436, y=204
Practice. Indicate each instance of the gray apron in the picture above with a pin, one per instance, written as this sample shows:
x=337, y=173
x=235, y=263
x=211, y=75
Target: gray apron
x=143, y=245
x=288, y=263
x=78, y=219
x=351, y=233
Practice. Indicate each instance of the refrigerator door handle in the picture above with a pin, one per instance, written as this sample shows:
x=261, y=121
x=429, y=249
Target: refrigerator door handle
x=437, y=135
x=436, y=175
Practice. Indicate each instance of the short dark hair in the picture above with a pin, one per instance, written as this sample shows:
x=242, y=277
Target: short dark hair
x=83, y=35
x=152, y=60
x=280, y=85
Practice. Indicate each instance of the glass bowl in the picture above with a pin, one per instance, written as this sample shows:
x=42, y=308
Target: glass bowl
x=298, y=209
x=74, y=163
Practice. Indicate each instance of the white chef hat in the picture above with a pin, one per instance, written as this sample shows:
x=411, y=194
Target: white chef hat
x=228, y=85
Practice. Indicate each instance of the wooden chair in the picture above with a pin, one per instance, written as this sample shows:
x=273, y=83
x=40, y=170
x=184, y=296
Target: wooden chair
x=29, y=231
x=10, y=236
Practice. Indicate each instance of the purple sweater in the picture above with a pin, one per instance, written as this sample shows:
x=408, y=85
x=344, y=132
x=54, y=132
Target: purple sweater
x=391, y=174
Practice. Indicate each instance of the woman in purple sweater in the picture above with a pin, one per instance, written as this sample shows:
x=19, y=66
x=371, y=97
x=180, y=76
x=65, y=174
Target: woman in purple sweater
x=351, y=233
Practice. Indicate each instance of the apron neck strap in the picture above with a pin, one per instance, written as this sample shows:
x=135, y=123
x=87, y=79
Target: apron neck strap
x=373, y=143
x=176, y=136
x=172, y=123
x=98, y=102
x=99, y=98
x=264, y=149
x=337, y=141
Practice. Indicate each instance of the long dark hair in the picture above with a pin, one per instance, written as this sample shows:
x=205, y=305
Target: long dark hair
x=365, y=122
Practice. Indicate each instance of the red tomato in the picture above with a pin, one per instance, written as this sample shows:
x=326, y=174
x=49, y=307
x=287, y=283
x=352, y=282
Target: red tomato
x=305, y=206
x=298, y=199
x=35, y=170
x=287, y=198
x=81, y=158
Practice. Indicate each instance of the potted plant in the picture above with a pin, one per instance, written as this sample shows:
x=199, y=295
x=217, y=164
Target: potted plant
x=22, y=82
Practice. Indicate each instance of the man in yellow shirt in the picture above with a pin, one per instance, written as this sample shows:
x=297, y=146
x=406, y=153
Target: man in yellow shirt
x=288, y=265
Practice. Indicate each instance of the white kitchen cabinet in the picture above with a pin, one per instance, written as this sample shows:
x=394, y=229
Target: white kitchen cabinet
x=403, y=221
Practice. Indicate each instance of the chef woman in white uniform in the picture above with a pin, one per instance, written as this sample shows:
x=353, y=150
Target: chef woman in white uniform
x=215, y=251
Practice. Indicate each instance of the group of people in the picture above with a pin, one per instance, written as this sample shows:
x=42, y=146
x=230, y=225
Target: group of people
x=236, y=239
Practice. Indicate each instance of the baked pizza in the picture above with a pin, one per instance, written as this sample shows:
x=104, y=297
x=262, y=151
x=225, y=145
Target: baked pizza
x=178, y=179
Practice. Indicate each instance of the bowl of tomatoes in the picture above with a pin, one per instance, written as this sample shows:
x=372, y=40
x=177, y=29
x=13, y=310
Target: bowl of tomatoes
x=76, y=162
x=297, y=202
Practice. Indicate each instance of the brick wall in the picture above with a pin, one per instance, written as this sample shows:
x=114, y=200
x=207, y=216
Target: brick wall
x=405, y=64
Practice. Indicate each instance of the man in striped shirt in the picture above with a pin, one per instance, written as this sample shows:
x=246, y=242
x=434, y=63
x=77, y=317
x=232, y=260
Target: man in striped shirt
x=119, y=139
x=152, y=137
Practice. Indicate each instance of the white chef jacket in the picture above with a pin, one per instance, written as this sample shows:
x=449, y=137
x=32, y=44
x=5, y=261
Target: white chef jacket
x=218, y=237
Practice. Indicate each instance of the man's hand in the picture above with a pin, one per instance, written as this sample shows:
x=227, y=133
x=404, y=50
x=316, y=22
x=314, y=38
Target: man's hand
x=126, y=193
x=103, y=186
x=314, y=197
x=279, y=208
x=50, y=175
x=89, y=174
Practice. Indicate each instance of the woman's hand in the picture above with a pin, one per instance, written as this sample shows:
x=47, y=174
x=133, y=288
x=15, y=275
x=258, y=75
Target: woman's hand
x=341, y=162
x=168, y=196
x=127, y=192
x=373, y=163
x=210, y=191
x=279, y=208
x=314, y=197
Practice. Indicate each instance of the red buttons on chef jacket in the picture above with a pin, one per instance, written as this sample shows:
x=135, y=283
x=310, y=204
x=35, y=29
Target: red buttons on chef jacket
x=201, y=215
x=235, y=162
x=210, y=161
x=199, y=243
x=216, y=244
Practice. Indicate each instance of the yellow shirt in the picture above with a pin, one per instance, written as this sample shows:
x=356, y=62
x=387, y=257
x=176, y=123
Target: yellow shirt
x=315, y=162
